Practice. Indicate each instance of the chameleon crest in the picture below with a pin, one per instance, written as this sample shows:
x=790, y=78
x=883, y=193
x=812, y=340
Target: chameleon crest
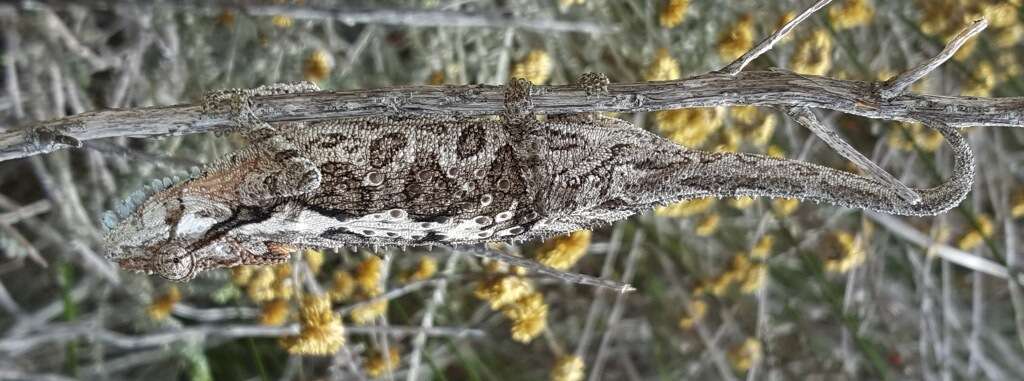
x=423, y=181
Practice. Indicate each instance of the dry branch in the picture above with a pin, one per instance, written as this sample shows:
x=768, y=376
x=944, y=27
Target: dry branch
x=776, y=87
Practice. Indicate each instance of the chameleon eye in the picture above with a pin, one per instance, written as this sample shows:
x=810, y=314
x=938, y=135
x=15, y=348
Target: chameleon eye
x=177, y=268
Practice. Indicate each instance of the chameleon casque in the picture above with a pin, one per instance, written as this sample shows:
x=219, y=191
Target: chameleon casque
x=433, y=180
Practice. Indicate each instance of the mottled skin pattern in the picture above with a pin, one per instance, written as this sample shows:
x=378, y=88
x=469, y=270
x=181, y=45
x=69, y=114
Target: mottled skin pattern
x=387, y=181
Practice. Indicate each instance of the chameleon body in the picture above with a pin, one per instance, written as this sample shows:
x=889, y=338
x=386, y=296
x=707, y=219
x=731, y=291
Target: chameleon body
x=426, y=180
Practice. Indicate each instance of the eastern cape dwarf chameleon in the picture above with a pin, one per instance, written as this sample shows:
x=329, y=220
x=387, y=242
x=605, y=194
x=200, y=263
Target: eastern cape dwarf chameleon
x=448, y=181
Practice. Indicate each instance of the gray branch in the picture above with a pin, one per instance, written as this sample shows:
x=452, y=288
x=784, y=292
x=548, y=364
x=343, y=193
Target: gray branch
x=776, y=87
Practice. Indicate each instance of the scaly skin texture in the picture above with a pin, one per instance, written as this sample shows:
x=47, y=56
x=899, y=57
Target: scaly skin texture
x=394, y=181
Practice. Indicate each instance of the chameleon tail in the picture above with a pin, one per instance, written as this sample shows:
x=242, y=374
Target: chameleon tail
x=739, y=174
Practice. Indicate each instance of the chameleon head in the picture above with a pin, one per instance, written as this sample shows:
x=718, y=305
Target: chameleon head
x=171, y=232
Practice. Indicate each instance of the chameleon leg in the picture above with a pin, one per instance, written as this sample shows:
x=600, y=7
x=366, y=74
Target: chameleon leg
x=518, y=103
x=277, y=167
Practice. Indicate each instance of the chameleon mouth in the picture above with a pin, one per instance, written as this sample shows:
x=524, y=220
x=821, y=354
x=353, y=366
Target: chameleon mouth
x=130, y=204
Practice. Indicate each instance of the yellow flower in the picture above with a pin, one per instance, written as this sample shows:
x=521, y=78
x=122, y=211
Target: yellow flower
x=283, y=287
x=985, y=79
x=241, y=275
x=737, y=40
x=1007, y=60
x=851, y=253
x=529, y=316
x=282, y=21
x=852, y=13
x=814, y=55
x=785, y=206
x=776, y=152
x=754, y=278
x=1017, y=209
x=662, y=68
x=367, y=313
x=315, y=260
x=275, y=312
x=708, y=225
x=976, y=236
x=503, y=290
x=368, y=275
x=161, y=307
x=673, y=13
x=260, y=285
x=563, y=252
x=750, y=276
x=270, y=282
x=568, y=368
x=1000, y=15
x=378, y=365
x=1009, y=36
x=698, y=308
x=757, y=126
x=686, y=208
x=321, y=332
x=690, y=127
x=935, y=15
x=746, y=355
x=342, y=286
x=763, y=248
x=535, y=67
x=425, y=269
x=317, y=66
x=927, y=139
x=436, y=77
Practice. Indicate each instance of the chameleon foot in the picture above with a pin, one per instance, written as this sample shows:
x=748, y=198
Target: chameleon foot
x=593, y=83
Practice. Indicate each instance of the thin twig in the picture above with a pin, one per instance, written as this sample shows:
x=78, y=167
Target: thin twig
x=27, y=211
x=598, y=304
x=530, y=265
x=617, y=308
x=57, y=333
x=895, y=86
x=945, y=252
x=436, y=299
x=765, y=45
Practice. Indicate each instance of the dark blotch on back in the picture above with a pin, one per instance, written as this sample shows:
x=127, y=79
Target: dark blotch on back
x=384, y=149
x=471, y=141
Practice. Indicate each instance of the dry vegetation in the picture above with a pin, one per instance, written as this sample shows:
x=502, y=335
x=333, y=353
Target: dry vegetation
x=727, y=289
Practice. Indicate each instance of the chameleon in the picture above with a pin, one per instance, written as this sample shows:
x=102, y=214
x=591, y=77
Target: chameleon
x=387, y=181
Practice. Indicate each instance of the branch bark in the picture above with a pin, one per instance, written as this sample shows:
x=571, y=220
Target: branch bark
x=779, y=88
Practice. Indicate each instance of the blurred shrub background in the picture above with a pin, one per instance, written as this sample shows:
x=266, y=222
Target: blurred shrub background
x=728, y=289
